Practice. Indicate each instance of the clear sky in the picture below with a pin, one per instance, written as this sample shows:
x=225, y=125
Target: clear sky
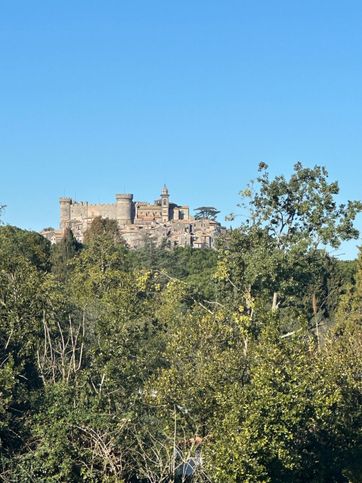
x=101, y=97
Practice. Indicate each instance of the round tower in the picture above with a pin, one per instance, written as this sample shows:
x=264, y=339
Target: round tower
x=124, y=208
x=65, y=212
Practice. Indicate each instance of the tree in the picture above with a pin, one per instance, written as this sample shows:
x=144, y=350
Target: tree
x=350, y=303
x=301, y=209
x=1, y=209
x=279, y=250
x=24, y=301
x=206, y=213
x=298, y=419
x=15, y=242
x=206, y=352
x=63, y=252
x=102, y=227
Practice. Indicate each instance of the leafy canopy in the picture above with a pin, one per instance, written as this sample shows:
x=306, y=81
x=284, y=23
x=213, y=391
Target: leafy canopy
x=206, y=213
x=301, y=208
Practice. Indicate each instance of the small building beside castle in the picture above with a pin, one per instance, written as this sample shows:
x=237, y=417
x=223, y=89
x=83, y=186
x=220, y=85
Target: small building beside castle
x=162, y=222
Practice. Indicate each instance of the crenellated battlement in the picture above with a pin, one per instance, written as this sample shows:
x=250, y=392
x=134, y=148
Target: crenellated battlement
x=124, y=196
x=101, y=205
x=136, y=220
x=80, y=203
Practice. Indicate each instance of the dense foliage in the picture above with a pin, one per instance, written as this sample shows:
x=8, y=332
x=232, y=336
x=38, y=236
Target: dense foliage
x=240, y=364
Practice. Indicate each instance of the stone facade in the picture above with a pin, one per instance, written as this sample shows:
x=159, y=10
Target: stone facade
x=162, y=221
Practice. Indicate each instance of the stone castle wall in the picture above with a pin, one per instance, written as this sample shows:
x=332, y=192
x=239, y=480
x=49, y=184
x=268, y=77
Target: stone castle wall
x=85, y=210
x=138, y=221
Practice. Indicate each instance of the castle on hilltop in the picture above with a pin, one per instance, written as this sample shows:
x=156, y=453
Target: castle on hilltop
x=162, y=222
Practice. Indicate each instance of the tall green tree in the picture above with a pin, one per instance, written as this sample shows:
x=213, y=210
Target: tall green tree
x=301, y=209
x=15, y=243
x=101, y=227
x=279, y=250
x=63, y=252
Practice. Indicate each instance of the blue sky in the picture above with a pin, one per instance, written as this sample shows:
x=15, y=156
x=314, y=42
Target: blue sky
x=104, y=97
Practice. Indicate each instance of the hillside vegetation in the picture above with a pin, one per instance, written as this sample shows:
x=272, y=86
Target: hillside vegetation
x=240, y=364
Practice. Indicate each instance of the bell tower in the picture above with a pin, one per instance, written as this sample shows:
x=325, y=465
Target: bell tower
x=165, y=204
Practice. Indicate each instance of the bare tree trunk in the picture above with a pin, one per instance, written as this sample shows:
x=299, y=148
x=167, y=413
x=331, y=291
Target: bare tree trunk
x=275, y=301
